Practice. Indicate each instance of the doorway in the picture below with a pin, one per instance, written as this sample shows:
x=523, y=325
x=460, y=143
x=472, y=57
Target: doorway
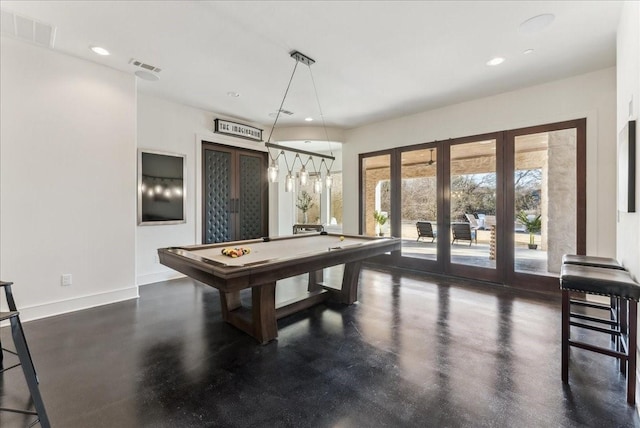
x=501, y=207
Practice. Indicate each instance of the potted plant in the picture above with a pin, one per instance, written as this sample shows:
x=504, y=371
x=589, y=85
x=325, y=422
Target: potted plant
x=380, y=219
x=532, y=225
x=304, y=204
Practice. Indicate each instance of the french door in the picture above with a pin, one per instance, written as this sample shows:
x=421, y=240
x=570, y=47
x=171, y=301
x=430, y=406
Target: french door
x=235, y=193
x=501, y=207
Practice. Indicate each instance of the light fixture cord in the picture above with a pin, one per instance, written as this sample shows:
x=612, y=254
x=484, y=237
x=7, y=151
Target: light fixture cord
x=282, y=103
x=324, y=126
x=289, y=170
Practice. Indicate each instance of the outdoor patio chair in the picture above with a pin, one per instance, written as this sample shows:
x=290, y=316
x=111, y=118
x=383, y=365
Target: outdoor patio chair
x=425, y=230
x=474, y=222
x=463, y=232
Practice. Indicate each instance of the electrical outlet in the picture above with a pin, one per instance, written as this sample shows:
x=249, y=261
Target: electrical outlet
x=66, y=279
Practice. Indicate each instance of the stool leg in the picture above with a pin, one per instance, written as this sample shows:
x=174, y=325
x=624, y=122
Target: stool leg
x=11, y=304
x=623, y=325
x=613, y=302
x=29, y=371
x=566, y=313
x=632, y=341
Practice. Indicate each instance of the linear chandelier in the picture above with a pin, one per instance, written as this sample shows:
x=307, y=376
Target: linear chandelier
x=303, y=174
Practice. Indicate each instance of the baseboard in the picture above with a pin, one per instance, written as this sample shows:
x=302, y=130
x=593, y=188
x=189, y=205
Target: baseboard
x=158, y=277
x=44, y=310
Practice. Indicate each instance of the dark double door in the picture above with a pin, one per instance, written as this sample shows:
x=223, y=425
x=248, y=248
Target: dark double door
x=235, y=194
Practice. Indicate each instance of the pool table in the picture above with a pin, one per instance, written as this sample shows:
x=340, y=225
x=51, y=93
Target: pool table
x=269, y=260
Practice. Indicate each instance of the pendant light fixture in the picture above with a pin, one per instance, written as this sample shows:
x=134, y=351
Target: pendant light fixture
x=303, y=173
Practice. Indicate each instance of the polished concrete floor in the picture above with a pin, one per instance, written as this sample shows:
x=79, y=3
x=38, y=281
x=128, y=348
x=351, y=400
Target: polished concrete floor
x=414, y=351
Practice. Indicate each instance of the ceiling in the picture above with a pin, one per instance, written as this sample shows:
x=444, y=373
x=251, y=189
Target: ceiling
x=374, y=60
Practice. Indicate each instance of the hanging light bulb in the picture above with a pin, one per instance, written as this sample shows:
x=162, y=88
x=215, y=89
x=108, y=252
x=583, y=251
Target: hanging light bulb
x=288, y=183
x=317, y=185
x=328, y=180
x=304, y=176
x=272, y=172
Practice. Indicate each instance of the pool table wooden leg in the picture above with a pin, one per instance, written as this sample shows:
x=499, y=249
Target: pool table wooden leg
x=315, y=278
x=349, y=291
x=259, y=322
x=263, y=308
x=229, y=302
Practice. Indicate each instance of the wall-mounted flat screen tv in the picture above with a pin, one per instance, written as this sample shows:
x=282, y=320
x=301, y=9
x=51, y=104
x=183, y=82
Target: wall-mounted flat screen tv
x=161, y=188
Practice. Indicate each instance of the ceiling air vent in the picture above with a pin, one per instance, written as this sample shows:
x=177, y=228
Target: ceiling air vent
x=27, y=29
x=144, y=66
x=282, y=111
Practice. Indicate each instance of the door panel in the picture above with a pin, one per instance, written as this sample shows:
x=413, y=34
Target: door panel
x=474, y=209
x=548, y=182
x=217, y=208
x=376, y=185
x=419, y=203
x=251, y=203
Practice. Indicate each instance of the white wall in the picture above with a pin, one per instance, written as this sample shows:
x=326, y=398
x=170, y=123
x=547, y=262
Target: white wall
x=171, y=127
x=628, y=90
x=67, y=174
x=591, y=95
x=628, y=77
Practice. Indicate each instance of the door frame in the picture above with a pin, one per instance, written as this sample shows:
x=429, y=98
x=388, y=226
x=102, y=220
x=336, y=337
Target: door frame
x=504, y=272
x=235, y=152
x=544, y=282
x=470, y=271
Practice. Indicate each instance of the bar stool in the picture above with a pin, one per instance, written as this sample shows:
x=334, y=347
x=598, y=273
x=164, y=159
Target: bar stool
x=25, y=361
x=610, y=282
x=614, y=307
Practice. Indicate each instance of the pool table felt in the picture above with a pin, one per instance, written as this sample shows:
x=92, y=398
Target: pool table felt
x=278, y=249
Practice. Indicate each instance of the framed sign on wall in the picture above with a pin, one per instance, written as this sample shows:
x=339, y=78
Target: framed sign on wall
x=234, y=129
x=161, y=188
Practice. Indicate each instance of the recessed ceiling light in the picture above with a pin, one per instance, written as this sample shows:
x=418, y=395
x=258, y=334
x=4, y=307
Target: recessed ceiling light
x=233, y=94
x=528, y=51
x=99, y=50
x=308, y=119
x=537, y=23
x=147, y=75
x=495, y=61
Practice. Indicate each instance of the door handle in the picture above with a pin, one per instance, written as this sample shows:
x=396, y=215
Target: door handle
x=234, y=205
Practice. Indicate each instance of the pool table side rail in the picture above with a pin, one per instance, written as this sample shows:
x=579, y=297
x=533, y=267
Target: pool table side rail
x=233, y=278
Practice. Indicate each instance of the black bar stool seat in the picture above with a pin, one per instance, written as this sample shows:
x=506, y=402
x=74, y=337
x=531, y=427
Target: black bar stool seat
x=600, y=281
x=594, y=261
x=625, y=293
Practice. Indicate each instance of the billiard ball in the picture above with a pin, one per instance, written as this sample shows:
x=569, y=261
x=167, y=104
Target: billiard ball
x=342, y=238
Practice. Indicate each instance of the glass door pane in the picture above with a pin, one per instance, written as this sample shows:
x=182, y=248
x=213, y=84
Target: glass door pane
x=473, y=204
x=419, y=204
x=308, y=202
x=545, y=200
x=376, y=204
